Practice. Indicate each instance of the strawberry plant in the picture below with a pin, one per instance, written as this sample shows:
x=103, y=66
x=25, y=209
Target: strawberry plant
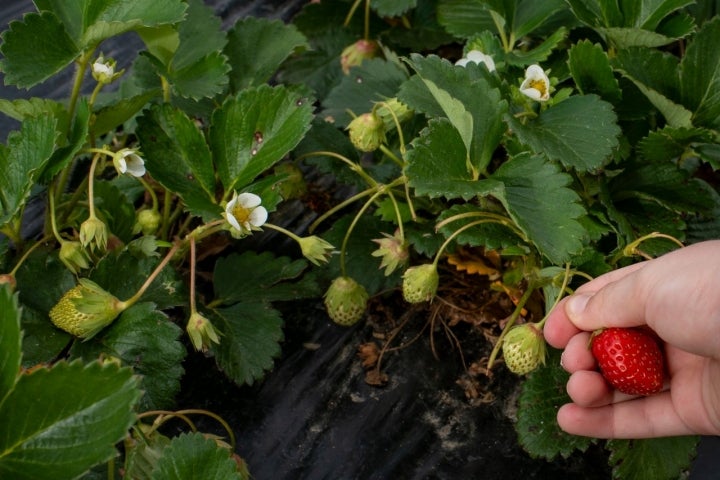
x=528, y=144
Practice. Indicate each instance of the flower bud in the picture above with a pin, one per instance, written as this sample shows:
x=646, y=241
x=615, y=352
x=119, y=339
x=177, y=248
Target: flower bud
x=148, y=221
x=86, y=309
x=94, y=232
x=420, y=283
x=353, y=55
x=315, y=249
x=103, y=71
x=128, y=160
x=392, y=109
x=367, y=132
x=201, y=332
x=345, y=301
x=74, y=256
x=524, y=348
x=393, y=250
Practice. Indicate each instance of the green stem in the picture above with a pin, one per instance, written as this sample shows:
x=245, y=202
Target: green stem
x=456, y=233
x=396, y=207
x=91, y=184
x=27, y=253
x=360, y=212
x=500, y=219
x=340, y=206
x=350, y=14
x=391, y=155
x=366, y=32
x=353, y=166
x=132, y=300
x=566, y=280
x=283, y=231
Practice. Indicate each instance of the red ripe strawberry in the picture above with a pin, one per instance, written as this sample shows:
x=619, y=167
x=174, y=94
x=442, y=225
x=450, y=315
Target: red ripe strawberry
x=630, y=360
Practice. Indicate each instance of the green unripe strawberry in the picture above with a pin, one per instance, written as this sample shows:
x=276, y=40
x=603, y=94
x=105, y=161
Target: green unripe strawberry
x=367, y=132
x=86, y=309
x=345, y=301
x=524, y=348
x=420, y=283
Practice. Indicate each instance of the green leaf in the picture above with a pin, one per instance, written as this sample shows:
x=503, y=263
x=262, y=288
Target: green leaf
x=664, y=184
x=635, y=37
x=373, y=81
x=205, y=78
x=10, y=340
x=649, y=14
x=254, y=130
x=470, y=90
x=465, y=18
x=670, y=143
x=177, y=156
x=437, y=164
x=655, y=75
x=272, y=278
x=22, y=161
x=393, y=8
x=60, y=421
x=652, y=458
x=22, y=108
x=110, y=117
x=192, y=455
x=200, y=35
x=30, y=58
x=580, y=132
x=541, y=52
x=43, y=342
x=700, y=75
x=75, y=141
x=250, y=339
x=146, y=340
x=591, y=70
x=537, y=197
x=115, y=209
x=454, y=111
x=542, y=394
x=256, y=48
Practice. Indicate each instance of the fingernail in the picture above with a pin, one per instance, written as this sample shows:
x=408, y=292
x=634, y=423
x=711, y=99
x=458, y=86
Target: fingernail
x=576, y=305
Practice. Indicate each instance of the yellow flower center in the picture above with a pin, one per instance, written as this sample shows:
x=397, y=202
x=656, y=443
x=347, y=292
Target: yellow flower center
x=539, y=85
x=241, y=214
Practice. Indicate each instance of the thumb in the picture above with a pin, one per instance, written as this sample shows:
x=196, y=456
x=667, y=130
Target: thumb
x=616, y=304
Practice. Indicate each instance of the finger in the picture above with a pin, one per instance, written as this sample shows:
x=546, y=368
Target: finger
x=558, y=328
x=577, y=355
x=646, y=417
x=611, y=277
x=589, y=389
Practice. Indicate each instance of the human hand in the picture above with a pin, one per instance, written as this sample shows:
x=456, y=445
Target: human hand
x=676, y=295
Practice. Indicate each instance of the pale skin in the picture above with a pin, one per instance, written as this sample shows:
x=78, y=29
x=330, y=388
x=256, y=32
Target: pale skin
x=678, y=296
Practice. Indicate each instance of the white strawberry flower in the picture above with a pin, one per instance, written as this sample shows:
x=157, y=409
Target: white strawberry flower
x=129, y=161
x=536, y=84
x=244, y=213
x=476, y=56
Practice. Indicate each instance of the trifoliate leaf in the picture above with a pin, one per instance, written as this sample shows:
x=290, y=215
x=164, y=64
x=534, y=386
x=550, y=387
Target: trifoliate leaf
x=537, y=196
x=250, y=333
x=275, y=279
x=542, y=394
x=591, y=70
x=652, y=458
x=146, y=340
x=192, y=455
x=580, y=132
x=700, y=77
x=454, y=110
x=373, y=81
x=177, y=156
x=200, y=35
x=437, y=164
x=21, y=162
x=256, y=129
x=58, y=422
x=10, y=340
x=30, y=57
x=256, y=48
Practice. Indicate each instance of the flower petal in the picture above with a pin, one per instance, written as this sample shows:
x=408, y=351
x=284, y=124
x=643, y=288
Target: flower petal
x=249, y=200
x=258, y=216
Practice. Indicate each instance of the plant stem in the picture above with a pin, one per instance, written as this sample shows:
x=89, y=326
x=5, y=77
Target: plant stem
x=132, y=300
x=353, y=166
x=456, y=233
x=343, y=247
x=192, y=275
